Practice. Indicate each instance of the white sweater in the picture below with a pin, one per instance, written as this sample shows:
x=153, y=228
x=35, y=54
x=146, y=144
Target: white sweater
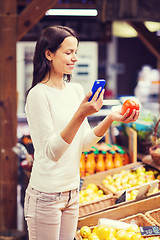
x=56, y=163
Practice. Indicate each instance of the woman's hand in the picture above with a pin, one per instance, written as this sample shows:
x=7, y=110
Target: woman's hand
x=104, y=125
x=88, y=108
x=85, y=109
x=117, y=116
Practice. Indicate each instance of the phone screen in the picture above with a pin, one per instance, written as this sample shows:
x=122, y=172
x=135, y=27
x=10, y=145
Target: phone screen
x=97, y=84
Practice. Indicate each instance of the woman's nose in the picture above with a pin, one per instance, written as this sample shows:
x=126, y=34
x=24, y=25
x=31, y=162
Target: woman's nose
x=74, y=58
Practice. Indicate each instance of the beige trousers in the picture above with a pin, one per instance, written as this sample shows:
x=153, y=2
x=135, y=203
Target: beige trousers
x=51, y=216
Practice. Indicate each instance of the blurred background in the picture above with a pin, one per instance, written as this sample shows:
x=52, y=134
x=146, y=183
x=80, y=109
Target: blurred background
x=119, y=42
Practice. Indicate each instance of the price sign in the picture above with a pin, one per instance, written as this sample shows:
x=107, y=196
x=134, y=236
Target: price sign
x=122, y=198
x=150, y=231
x=81, y=183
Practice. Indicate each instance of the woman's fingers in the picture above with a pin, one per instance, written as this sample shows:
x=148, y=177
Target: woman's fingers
x=95, y=96
x=133, y=117
x=101, y=95
x=87, y=97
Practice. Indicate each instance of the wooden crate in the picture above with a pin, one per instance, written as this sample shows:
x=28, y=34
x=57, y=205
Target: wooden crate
x=122, y=210
x=154, y=216
x=101, y=176
x=139, y=219
x=96, y=205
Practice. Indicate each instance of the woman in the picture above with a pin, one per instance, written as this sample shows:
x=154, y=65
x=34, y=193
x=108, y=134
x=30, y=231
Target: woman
x=57, y=116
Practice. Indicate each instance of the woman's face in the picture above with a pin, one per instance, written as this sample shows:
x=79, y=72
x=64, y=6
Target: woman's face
x=64, y=59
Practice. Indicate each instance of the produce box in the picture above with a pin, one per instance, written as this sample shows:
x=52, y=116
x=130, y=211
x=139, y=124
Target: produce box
x=129, y=179
x=110, y=199
x=96, y=205
x=98, y=177
x=140, y=192
x=139, y=219
x=122, y=210
x=126, y=178
x=154, y=216
x=93, y=198
x=117, y=228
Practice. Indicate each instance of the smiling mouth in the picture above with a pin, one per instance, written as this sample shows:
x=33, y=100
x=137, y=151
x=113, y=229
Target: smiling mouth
x=71, y=65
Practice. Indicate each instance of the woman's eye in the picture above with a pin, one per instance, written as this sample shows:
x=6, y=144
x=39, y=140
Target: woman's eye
x=68, y=53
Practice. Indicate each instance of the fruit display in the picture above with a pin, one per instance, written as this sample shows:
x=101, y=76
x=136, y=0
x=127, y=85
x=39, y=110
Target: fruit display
x=93, y=199
x=91, y=192
x=129, y=178
x=131, y=221
x=133, y=193
x=103, y=232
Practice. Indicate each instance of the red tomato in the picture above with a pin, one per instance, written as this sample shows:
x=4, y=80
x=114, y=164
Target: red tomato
x=129, y=104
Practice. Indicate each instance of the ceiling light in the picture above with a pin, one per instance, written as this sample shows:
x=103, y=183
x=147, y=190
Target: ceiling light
x=152, y=26
x=72, y=12
x=124, y=30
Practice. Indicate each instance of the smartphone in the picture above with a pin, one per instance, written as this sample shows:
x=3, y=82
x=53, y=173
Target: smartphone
x=97, y=84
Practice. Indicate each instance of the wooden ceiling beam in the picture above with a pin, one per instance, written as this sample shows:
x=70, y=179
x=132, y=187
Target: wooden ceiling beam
x=148, y=38
x=31, y=15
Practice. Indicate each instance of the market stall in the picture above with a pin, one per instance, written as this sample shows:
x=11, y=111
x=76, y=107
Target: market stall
x=13, y=27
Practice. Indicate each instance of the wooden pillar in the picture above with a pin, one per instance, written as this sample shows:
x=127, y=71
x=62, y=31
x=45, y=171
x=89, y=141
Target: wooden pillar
x=8, y=118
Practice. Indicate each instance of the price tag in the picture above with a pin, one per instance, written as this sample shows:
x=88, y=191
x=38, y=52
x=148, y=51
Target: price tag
x=81, y=183
x=122, y=198
x=150, y=231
